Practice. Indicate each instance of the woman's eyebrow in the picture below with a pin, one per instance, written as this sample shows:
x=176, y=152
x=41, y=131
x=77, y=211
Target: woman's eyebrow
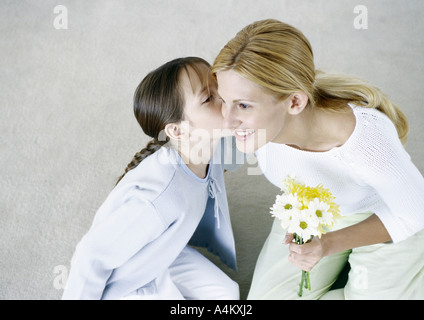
x=236, y=100
x=239, y=100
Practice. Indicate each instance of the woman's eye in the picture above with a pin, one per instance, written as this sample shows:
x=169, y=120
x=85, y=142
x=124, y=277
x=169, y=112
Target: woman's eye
x=243, y=106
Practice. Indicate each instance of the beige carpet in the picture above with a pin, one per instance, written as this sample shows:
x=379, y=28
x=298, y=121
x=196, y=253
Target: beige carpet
x=67, y=129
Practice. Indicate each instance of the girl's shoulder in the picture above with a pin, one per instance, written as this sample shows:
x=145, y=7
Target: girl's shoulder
x=153, y=175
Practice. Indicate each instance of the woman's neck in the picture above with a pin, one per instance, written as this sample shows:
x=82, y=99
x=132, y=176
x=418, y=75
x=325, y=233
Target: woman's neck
x=317, y=129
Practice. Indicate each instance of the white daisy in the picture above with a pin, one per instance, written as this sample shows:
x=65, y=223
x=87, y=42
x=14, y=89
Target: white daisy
x=320, y=210
x=304, y=225
x=284, y=207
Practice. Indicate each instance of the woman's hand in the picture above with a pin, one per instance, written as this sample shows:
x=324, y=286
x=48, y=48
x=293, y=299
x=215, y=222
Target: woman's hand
x=367, y=232
x=305, y=256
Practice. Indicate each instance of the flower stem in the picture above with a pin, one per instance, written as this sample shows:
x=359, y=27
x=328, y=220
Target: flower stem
x=298, y=240
x=308, y=282
x=300, y=293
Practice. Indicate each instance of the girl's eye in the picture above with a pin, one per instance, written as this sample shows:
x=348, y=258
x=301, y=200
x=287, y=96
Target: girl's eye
x=243, y=106
x=208, y=99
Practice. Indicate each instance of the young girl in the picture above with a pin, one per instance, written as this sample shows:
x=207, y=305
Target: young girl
x=337, y=131
x=171, y=194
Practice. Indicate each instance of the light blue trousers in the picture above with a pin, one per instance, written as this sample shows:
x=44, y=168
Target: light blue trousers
x=190, y=277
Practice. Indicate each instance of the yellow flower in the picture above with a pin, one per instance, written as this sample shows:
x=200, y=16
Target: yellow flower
x=306, y=194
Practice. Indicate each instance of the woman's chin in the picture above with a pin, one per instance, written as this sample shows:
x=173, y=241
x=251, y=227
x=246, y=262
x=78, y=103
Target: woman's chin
x=246, y=145
x=248, y=141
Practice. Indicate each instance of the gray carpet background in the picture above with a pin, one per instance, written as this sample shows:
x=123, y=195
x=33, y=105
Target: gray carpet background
x=67, y=127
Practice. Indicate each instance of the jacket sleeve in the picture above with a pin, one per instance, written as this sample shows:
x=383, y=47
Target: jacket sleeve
x=109, y=244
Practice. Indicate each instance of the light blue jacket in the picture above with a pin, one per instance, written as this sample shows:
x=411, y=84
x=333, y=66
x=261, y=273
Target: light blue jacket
x=149, y=217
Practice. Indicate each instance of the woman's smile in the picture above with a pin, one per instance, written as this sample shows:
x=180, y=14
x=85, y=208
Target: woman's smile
x=243, y=134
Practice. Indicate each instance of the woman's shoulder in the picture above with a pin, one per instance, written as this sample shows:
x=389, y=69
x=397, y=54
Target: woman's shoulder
x=376, y=136
x=372, y=119
x=373, y=128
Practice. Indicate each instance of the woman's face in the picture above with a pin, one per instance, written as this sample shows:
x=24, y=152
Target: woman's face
x=252, y=112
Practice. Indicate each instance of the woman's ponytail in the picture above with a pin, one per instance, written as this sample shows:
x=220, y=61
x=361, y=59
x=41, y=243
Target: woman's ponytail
x=330, y=88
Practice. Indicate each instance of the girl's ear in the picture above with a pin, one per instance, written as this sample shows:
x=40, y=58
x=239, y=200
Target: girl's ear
x=176, y=131
x=297, y=102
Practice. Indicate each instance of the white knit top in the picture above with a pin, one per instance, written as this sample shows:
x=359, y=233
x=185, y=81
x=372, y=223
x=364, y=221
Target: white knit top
x=371, y=172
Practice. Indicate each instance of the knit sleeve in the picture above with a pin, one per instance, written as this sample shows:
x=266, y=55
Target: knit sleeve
x=381, y=161
x=109, y=244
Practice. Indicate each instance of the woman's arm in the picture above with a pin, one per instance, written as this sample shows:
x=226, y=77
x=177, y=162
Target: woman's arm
x=368, y=232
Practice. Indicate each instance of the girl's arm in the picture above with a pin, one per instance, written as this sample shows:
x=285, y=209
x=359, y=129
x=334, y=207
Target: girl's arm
x=368, y=232
x=108, y=245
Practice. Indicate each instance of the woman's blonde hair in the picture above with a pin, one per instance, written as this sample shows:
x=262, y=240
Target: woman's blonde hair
x=279, y=58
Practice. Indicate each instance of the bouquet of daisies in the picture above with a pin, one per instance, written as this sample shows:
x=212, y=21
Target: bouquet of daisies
x=305, y=212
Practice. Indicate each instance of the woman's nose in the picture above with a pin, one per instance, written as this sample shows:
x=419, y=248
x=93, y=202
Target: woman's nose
x=229, y=117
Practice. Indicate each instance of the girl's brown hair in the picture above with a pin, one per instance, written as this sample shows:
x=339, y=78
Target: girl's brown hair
x=158, y=101
x=279, y=58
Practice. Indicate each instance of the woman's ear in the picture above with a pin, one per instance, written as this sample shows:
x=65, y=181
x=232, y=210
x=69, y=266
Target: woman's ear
x=297, y=102
x=176, y=131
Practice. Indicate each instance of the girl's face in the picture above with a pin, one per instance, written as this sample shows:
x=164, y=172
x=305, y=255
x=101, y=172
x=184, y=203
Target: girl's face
x=254, y=114
x=202, y=109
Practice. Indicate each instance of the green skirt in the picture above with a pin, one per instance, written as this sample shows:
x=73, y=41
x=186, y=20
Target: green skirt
x=380, y=271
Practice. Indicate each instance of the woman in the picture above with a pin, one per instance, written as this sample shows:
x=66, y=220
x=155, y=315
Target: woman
x=333, y=130
x=169, y=196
